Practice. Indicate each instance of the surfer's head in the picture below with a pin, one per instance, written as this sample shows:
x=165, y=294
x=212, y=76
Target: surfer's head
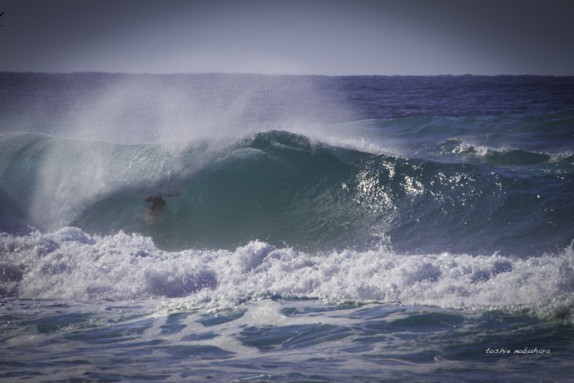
x=157, y=201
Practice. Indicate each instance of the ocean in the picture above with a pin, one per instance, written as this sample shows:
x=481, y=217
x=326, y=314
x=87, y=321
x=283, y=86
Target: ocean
x=269, y=228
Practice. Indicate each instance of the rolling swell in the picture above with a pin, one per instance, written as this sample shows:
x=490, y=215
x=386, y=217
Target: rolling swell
x=284, y=189
x=539, y=141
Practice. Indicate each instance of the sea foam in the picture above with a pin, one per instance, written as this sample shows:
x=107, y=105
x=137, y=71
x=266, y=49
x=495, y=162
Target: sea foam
x=72, y=264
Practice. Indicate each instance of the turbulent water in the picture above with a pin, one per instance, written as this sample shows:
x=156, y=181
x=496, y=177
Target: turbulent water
x=286, y=228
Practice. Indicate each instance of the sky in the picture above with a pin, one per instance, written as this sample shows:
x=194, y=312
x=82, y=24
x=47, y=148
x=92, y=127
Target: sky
x=327, y=37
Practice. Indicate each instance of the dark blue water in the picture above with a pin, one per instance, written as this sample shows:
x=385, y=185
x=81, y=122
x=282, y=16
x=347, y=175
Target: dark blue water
x=286, y=228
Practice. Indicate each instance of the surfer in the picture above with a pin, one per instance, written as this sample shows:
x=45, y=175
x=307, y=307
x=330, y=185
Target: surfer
x=155, y=213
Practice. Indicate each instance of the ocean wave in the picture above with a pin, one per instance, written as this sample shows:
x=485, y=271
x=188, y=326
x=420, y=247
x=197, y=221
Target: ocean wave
x=282, y=188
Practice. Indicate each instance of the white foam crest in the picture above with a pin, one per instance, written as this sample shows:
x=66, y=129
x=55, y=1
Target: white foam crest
x=470, y=148
x=562, y=156
x=71, y=264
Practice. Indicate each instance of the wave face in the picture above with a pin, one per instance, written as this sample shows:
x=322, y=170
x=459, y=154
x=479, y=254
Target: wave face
x=286, y=189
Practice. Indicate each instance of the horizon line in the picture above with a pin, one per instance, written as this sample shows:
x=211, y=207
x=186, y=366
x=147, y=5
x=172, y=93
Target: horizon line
x=280, y=74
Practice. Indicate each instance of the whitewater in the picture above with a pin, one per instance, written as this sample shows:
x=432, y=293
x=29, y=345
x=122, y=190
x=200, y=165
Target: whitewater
x=218, y=227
